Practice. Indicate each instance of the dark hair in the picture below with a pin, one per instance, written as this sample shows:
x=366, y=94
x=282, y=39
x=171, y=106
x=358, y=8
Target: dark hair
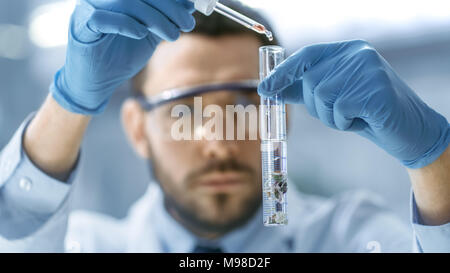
x=217, y=25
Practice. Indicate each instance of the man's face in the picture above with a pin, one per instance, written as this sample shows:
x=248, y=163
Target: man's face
x=210, y=186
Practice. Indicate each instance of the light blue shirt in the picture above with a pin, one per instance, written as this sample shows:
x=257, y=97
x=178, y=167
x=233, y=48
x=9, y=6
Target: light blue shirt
x=35, y=216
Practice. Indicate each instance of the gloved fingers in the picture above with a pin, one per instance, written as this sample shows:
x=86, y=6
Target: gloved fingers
x=366, y=96
x=188, y=5
x=176, y=11
x=293, y=94
x=358, y=125
x=309, y=85
x=107, y=22
x=349, y=106
x=325, y=96
x=335, y=105
x=321, y=89
x=157, y=22
x=349, y=113
x=291, y=70
x=343, y=114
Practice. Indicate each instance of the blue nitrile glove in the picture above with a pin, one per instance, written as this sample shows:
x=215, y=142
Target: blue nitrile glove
x=109, y=42
x=350, y=87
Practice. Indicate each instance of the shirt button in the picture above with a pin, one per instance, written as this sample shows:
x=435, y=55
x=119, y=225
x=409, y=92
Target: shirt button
x=25, y=184
x=73, y=247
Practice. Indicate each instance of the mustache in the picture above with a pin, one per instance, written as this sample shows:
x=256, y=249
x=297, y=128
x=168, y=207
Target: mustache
x=219, y=166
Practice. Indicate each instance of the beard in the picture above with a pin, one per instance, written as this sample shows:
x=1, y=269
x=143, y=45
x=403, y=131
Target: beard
x=217, y=213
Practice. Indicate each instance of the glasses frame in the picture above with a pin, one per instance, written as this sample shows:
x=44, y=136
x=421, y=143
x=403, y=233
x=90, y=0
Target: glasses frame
x=169, y=95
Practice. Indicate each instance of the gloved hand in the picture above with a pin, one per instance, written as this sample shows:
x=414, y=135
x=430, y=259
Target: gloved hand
x=350, y=87
x=109, y=42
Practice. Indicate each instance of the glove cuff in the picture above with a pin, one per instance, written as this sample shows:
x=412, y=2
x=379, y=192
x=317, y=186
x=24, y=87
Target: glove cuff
x=65, y=101
x=434, y=153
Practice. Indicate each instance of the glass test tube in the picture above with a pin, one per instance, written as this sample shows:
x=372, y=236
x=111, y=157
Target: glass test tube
x=273, y=144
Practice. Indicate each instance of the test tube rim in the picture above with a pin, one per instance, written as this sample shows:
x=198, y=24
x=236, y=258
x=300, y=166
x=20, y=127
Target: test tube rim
x=274, y=52
x=272, y=48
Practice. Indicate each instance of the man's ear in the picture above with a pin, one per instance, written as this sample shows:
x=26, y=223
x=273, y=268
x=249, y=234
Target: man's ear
x=133, y=122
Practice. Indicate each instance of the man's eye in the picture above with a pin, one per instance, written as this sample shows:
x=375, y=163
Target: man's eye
x=246, y=100
x=186, y=103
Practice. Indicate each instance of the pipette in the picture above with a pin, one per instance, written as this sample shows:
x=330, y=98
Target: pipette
x=208, y=6
x=243, y=20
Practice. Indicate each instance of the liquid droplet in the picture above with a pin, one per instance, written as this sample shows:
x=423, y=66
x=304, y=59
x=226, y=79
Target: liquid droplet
x=269, y=35
x=262, y=30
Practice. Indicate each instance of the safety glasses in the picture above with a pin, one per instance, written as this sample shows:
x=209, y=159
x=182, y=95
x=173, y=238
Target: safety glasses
x=163, y=108
x=176, y=94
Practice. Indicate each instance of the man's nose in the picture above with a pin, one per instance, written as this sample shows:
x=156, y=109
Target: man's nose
x=220, y=149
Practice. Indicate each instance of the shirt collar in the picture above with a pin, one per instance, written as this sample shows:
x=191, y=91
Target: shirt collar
x=236, y=240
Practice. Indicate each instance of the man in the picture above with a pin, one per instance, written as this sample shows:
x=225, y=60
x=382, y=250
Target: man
x=207, y=193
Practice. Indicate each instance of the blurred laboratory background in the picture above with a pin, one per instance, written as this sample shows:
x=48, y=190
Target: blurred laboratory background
x=414, y=36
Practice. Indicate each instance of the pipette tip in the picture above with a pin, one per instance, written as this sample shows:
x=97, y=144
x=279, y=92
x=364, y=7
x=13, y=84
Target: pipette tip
x=269, y=35
x=263, y=30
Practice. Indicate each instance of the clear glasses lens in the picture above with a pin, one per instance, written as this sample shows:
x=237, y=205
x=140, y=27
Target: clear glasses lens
x=193, y=114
